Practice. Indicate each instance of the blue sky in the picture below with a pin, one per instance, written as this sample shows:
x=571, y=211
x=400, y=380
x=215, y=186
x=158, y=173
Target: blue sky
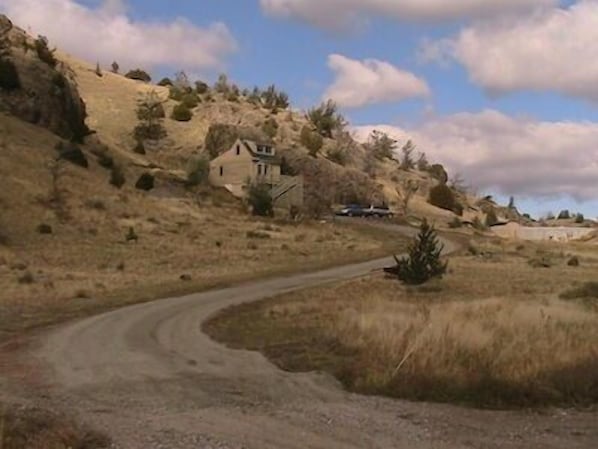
x=543, y=115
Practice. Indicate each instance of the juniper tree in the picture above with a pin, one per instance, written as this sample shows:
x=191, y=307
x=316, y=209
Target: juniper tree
x=424, y=261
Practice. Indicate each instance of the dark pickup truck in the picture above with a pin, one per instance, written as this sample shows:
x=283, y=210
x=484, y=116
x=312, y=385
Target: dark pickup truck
x=354, y=210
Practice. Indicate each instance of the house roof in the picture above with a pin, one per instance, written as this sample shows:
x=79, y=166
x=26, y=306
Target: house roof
x=252, y=147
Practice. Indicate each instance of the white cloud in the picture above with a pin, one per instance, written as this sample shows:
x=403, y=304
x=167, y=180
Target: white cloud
x=359, y=83
x=106, y=34
x=553, y=50
x=512, y=156
x=339, y=14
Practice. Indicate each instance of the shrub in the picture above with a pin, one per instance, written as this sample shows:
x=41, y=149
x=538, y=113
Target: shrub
x=443, y=197
x=438, y=172
x=176, y=94
x=198, y=171
x=424, y=261
x=139, y=147
x=165, y=82
x=220, y=138
x=380, y=145
x=201, y=88
x=573, y=262
x=117, y=177
x=150, y=112
x=115, y=67
x=181, y=113
x=70, y=152
x=221, y=86
x=145, y=182
x=191, y=100
x=579, y=219
x=9, y=77
x=43, y=51
x=407, y=162
x=589, y=290
x=311, y=140
x=44, y=229
x=564, y=215
x=455, y=223
x=139, y=75
x=270, y=128
x=258, y=235
x=338, y=155
x=98, y=70
x=260, y=200
x=326, y=119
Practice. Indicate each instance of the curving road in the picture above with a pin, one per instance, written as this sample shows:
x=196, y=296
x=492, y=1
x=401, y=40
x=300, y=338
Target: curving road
x=150, y=378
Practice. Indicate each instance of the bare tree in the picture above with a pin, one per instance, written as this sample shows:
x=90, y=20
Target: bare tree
x=457, y=183
x=406, y=192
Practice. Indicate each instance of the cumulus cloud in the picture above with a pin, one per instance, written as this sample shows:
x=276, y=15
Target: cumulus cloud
x=339, y=14
x=510, y=155
x=552, y=50
x=359, y=83
x=106, y=34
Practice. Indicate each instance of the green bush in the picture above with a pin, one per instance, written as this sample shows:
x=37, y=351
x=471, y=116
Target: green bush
x=198, y=171
x=260, y=200
x=455, y=223
x=438, y=172
x=43, y=51
x=579, y=219
x=338, y=155
x=326, y=119
x=311, y=140
x=165, y=82
x=220, y=138
x=176, y=94
x=181, y=113
x=424, y=261
x=139, y=75
x=564, y=215
x=150, y=112
x=443, y=197
x=589, y=290
x=201, y=88
x=191, y=100
x=9, y=77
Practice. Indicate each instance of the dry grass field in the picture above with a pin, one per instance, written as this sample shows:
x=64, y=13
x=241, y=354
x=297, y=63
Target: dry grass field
x=493, y=333
x=187, y=241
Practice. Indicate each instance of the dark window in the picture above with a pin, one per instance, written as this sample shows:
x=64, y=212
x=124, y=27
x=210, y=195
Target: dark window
x=259, y=169
x=265, y=169
x=238, y=149
x=221, y=171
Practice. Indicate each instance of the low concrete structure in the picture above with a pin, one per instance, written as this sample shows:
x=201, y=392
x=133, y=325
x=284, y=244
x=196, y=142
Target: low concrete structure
x=515, y=231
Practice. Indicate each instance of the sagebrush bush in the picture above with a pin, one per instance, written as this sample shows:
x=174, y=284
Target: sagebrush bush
x=190, y=100
x=270, y=127
x=165, y=82
x=201, y=88
x=139, y=75
x=311, y=140
x=443, y=197
x=182, y=113
x=260, y=200
x=198, y=170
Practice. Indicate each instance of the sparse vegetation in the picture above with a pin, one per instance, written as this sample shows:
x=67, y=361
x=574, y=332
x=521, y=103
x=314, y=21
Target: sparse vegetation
x=406, y=192
x=117, y=177
x=381, y=146
x=564, y=215
x=220, y=137
x=145, y=182
x=198, y=170
x=115, y=67
x=165, y=82
x=588, y=290
x=438, y=172
x=407, y=161
x=270, y=127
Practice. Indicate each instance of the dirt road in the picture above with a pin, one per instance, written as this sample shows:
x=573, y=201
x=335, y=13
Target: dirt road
x=150, y=378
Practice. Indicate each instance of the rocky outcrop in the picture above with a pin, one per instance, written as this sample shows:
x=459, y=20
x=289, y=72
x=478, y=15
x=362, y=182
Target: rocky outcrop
x=46, y=92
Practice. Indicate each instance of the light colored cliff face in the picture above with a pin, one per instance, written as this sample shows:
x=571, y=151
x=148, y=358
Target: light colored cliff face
x=561, y=234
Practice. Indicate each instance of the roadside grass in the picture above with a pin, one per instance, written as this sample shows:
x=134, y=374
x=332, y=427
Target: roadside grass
x=493, y=333
x=32, y=428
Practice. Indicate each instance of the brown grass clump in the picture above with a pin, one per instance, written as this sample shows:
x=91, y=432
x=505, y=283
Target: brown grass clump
x=493, y=333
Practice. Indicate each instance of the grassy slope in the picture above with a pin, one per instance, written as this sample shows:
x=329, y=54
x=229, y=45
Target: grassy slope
x=493, y=333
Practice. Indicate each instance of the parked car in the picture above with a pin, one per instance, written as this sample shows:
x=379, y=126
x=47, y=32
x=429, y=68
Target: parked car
x=378, y=212
x=351, y=210
x=355, y=210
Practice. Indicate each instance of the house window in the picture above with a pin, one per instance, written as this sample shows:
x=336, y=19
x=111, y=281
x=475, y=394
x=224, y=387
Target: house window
x=221, y=171
x=265, y=169
x=268, y=150
x=238, y=150
x=259, y=170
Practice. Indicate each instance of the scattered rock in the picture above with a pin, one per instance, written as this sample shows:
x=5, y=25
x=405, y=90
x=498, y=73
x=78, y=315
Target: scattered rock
x=45, y=229
x=252, y=246
x=540, y=262
x=185, y=277
x=121, y=266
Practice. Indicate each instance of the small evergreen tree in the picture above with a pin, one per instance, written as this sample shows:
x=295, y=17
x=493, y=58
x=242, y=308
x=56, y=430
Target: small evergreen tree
x=407, y=162
x=98, y=70
x=424, y=261
x=381, y=145
x=326, y=119
x=150, y=112
x=139, y=75
x=115, y=67
x=181, y=113
x=198, y=170
x=312, y=141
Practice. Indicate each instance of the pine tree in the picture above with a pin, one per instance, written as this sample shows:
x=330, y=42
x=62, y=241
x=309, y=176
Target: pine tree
x=424, y=261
